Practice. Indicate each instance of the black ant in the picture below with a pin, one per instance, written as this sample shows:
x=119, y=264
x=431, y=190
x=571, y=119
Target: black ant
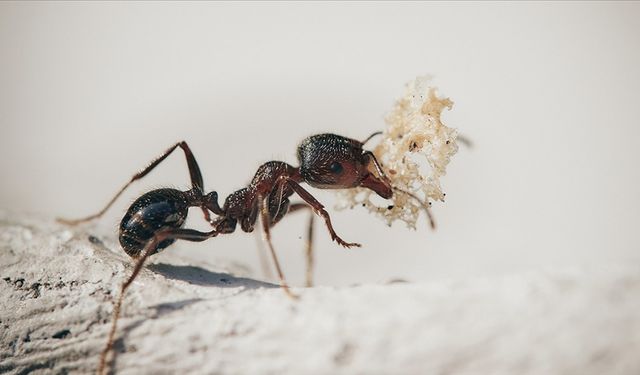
x=154, y=221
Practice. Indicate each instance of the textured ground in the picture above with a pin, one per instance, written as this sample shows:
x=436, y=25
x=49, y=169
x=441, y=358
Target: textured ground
x=57, y=286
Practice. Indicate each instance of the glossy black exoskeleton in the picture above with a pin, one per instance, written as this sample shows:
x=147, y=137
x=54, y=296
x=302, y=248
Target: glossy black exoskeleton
x=155, y=211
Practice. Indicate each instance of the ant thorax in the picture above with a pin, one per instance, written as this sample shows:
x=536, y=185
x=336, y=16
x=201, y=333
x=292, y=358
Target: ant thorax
x=414, y=134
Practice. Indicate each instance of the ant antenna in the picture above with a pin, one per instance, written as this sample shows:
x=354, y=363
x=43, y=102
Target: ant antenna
x=424, y=205
x=371, y=136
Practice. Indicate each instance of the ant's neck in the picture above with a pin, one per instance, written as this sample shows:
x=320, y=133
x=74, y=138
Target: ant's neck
x=296, y=176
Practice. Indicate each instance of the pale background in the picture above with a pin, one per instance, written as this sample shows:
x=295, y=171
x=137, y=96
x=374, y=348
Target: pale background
x=90, y=93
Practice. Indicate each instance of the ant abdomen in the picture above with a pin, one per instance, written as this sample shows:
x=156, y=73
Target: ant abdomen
x=152, y=212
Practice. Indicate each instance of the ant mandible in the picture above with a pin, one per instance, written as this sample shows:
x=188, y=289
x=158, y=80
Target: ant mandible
x=154, y=220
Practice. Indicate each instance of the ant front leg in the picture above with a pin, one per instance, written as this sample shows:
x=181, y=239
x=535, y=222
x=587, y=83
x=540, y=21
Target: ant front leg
x=194, y=173
x=319, y=209
x=309, y=240
x=149, y=249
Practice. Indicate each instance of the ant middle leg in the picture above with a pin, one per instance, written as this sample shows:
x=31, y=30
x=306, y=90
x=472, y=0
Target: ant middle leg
x=266, y=232
x=149, y=249
x=280, y=207
x=266, y=270
x=309, y=240
x=194, y=173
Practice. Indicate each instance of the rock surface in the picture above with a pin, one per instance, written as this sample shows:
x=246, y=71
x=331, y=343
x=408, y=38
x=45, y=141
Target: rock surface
x=57, y=285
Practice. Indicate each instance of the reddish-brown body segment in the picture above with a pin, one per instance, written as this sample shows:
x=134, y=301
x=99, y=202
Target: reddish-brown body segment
x=154, y=221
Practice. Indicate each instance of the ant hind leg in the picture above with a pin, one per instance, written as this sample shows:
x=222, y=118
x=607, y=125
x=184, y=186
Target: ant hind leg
x=182, y=234
x=194, y=173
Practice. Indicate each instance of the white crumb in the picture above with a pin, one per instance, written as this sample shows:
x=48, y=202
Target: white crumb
x=414, y=150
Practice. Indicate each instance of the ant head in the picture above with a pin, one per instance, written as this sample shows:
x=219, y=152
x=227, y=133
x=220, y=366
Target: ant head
x=329, y=161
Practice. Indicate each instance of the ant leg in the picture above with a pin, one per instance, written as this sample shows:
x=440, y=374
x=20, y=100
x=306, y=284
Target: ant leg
x=279, y=191
x=266, y=270
x=309, y=244
x=207, y=215
x=309, y=252
x=266, y=223
x=194, y=172
x=319, y=209
x=182, y=234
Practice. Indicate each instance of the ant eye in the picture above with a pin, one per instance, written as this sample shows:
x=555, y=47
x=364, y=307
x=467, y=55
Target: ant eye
x=335, y=167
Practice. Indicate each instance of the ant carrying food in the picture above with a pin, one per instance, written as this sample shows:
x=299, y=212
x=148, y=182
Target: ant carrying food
x=155, y=220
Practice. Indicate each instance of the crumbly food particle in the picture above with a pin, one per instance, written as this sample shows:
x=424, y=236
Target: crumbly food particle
x=414, y=135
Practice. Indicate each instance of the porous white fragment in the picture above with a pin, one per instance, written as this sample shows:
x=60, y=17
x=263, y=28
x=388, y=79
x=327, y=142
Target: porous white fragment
x=414, y=150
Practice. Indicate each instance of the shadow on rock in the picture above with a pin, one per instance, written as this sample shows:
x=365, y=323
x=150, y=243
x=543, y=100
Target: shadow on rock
x=164, y=308
x=200, y=276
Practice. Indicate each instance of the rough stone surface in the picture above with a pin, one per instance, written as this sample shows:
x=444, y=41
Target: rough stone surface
x=57, y=285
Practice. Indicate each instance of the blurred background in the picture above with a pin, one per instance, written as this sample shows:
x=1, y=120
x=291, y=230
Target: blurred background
x=91, y=92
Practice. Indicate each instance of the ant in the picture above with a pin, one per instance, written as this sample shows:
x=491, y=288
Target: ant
x=154, y=220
